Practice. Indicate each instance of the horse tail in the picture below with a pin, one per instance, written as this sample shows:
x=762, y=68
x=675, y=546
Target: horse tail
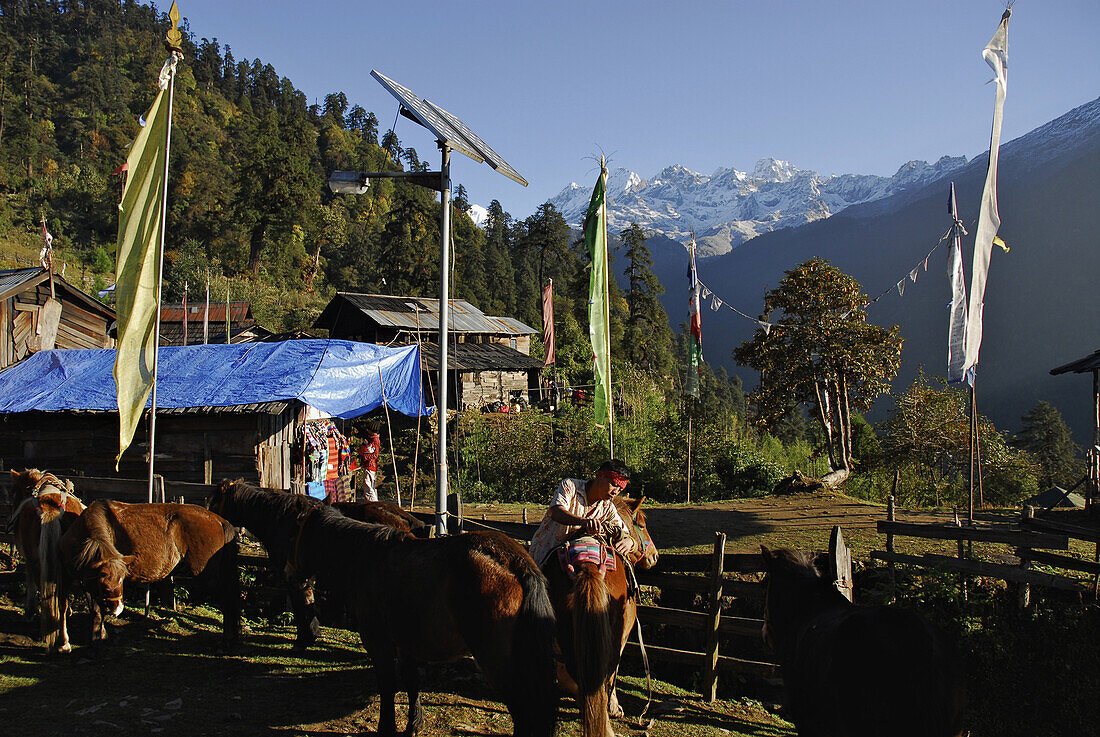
x=49, y=561
x=593, y=648
x=533, y=668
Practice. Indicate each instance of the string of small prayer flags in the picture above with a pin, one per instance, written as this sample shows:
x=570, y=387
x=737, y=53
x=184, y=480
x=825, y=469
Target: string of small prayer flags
x=717, y=303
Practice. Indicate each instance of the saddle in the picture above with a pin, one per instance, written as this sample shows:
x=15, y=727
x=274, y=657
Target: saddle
x=586, y=549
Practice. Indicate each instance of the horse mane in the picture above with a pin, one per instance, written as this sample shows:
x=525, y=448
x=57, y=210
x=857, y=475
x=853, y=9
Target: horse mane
x=802, y=563
x=98, y=537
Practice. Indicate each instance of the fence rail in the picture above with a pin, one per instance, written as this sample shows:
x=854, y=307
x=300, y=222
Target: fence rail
x=1031, y=544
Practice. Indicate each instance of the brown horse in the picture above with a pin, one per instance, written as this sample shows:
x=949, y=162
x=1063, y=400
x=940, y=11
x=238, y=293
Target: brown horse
x=384, y=513
x=113, y=542
x=43, y=507
x=595, y=614
x=429, y=600
x=899, y=667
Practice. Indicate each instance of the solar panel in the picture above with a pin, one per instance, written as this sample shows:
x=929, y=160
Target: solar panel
x=490, y=156
x=447, y=128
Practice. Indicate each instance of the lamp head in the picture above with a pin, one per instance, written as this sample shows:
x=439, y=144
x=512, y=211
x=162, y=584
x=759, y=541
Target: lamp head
x=348, y=182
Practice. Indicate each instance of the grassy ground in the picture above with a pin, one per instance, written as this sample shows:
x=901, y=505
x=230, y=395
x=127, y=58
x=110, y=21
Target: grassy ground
x=1031, y=673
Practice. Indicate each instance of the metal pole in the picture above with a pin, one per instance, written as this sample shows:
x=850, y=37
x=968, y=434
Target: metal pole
x=973, y=449
x=444, y=305
x=607, y=319
x=160, y=281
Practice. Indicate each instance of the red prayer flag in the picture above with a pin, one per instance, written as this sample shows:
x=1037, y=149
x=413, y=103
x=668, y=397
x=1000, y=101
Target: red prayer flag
x=548, y=322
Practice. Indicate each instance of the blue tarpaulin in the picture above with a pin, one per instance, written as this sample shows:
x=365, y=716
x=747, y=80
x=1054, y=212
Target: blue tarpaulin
x=339, y=377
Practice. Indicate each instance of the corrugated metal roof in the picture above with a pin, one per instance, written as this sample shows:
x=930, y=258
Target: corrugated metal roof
x=1080, y=366
x=478, y=357
x=172, y=333
x=412, y=313
x=12, y=278
x=265, y=408
x=13, y=281
x=238, y=312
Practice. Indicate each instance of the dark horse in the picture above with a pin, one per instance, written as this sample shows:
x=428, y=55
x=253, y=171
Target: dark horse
x=384, y=513
x=425, y=600
x=113, y=542
x=595, y=615
x=44, y=506
x=856, y=671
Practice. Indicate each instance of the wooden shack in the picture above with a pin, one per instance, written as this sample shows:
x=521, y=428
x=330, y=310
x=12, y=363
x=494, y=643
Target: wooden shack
x=489, y=357
x=194, y=444
x=84, y=320
x=183, y=324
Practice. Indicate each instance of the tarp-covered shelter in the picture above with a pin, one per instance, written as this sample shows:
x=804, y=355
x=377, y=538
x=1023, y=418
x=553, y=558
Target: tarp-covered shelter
x=223, y=410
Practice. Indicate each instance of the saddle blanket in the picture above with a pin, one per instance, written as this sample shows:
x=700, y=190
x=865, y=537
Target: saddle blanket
x=585, y=550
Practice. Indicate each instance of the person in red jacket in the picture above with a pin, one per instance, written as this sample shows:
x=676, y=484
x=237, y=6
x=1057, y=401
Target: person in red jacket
x=368, y=461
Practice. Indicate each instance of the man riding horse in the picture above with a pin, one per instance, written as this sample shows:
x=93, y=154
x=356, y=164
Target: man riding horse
x=584, y=507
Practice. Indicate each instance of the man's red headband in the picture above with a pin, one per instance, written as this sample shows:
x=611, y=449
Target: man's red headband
x=616, y=478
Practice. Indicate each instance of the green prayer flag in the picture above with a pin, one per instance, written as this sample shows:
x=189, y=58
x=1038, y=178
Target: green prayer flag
x=139, y=243
x=599, y=319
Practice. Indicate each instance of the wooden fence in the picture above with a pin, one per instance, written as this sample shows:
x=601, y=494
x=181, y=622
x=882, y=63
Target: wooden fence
x=712, y=575
x=1032, y=542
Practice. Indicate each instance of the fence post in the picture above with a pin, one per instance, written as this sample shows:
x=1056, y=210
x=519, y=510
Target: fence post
x=962, y=575
x=717, y=568
x=890, y=545
x=525, y=515
x=1025, y=588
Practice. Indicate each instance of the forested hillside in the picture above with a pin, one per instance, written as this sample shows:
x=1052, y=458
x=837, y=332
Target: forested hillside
x=249, y=159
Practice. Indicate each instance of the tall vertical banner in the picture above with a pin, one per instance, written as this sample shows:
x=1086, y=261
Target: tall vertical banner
x=138, y=259
x=206, y=315
x=599, y=319
x=695, y=322
x=989, y=219
x=956, y=329
x=548, y=323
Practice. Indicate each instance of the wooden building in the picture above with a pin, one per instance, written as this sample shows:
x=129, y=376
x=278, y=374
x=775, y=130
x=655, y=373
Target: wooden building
x=194, y=444
x=83, y=324
x=489, y=357
x=181, y=325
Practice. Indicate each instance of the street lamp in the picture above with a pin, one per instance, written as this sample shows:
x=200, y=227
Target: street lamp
x=348, y=182
x=451, y=134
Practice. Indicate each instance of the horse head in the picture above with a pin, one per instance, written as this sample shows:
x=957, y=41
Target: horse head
x=644, y=555
x=796, y=585
x=104, y=579
x=23, y=484
x=222, y=496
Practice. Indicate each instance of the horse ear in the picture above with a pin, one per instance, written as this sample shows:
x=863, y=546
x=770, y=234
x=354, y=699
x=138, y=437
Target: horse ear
x=767, y=555
x=128, y=560
x=634, y=504
x=821, y=563
x=14, y=474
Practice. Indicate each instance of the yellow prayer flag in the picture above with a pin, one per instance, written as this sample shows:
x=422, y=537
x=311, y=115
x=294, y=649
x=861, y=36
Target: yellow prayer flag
x=139, y=241
x=998, y=241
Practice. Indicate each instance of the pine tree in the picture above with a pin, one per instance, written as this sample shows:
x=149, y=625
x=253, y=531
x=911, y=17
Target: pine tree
x=648, y=339
x=1048, y=439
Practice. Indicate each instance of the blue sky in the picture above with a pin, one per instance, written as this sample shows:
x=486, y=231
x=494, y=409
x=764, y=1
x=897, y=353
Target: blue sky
x=837, y=87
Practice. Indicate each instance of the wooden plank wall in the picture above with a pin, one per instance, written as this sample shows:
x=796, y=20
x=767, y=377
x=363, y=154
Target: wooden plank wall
x=79, y=327
x=190, y=448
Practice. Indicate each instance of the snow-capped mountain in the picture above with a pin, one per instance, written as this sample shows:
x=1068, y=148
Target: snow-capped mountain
x=730, y=206
x=478, y=214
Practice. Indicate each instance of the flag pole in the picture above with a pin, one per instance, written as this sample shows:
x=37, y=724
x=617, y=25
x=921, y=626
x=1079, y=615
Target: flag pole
x=174, y=41
x=607, y=317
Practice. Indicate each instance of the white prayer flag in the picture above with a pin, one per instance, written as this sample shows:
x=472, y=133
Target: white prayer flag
x=956, y=327
x=989, y=219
